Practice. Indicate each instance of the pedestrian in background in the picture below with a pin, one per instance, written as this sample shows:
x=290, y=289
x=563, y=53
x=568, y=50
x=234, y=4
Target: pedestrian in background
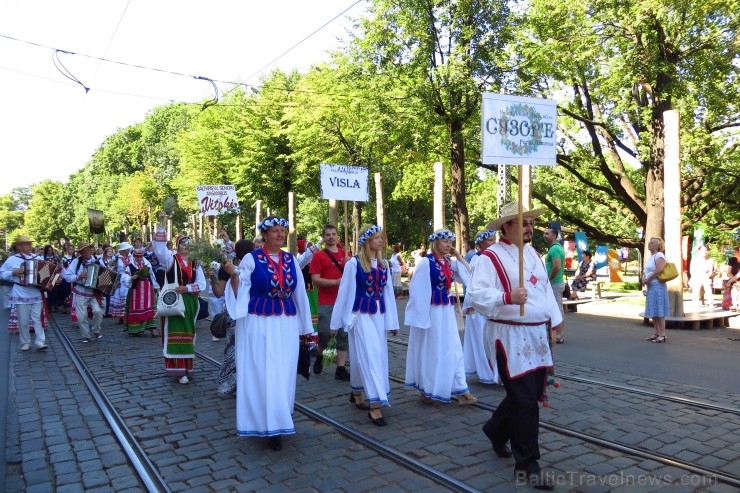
x=656, y=302
x=555, y=264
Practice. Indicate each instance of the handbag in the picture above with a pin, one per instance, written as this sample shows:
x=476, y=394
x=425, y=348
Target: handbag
x=220, y=325
x=304, y=357
x=170, y=302
x=669, y=272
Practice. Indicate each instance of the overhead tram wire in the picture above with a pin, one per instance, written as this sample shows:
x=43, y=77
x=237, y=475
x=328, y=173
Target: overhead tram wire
x=198, y=77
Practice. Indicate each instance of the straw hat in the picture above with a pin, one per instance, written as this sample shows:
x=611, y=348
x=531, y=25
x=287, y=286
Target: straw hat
x=22, y=239
x=125, y=245
x=509, y=212
x=82, y=245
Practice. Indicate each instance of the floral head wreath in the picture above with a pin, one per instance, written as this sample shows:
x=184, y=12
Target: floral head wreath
x=275, y=221
x=483, y=235
x=372, y=231
x=442, y=235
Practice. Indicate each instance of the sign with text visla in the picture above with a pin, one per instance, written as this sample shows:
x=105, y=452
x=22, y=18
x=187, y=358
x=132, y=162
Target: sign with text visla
x=518, y=130
x=341, y=182
x=216, y=199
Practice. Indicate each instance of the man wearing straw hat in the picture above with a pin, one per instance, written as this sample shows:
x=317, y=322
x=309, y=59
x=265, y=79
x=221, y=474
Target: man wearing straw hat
x=84, y=296
x=518, y=343
x=27, y=299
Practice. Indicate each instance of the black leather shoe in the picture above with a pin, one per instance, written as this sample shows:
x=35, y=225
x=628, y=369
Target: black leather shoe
x=341, y=373
x=538, y=480
x=275, y=442
x=377, y=422
x=503, y=451
x=318, y=364
x=364, y=406
x=500, y=450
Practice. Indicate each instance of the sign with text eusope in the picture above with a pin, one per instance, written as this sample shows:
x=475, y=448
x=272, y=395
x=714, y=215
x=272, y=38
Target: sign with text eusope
x=341, y=182
x=216, y=199
x=518, y=130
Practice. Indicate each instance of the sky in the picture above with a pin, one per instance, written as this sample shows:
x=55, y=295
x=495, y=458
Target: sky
x=50, y=126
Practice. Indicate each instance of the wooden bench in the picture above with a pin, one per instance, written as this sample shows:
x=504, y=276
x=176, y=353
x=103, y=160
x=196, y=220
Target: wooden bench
x=697, y=320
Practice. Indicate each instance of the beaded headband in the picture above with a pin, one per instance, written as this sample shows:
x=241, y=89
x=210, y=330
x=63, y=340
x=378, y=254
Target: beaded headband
x=374, y=229
x=275, y=221
x=442, y=235
x=483, y=235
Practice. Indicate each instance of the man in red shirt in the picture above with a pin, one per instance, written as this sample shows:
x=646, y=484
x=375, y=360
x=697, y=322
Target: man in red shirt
x=326, y=270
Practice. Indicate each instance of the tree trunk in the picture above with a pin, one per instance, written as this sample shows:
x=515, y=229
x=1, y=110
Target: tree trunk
x=654, y=182
x=457, y=185
x=356, y=223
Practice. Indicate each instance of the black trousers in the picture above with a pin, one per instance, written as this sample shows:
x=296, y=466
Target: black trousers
x=517, y=418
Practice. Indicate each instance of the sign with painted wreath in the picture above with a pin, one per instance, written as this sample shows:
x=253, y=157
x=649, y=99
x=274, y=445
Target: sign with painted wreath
x=216, y=199
x=518, y=130
x=341, y=182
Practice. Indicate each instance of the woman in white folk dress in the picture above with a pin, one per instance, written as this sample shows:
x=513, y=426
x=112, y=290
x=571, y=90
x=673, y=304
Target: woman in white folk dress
x=477, y=362
x=434, y=361
x=366, y=309
x=267, y=298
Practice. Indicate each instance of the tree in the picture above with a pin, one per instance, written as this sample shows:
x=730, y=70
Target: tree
x=49, y=213
x=618, y=67
x=446, y=53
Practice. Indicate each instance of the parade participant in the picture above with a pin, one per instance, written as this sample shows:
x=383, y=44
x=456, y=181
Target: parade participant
x=227, y=375
x=118, y=297
x=108, y=260
x=267, y=298
x=64, y=287
x=398, y=267
x=477, y=362
x=138, y=278
x=434, y=361
x=178, y=333
x=366, y=309
x=27, y=300
x=519, y=343
x=84, y=297
x=326, y=273
x=258, y=242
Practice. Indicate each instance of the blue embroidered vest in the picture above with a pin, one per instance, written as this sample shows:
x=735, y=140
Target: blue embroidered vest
x=369, y=289
x=440, y=295
x=265, y=296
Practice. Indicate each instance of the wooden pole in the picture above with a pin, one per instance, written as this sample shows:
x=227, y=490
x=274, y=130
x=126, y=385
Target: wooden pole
x=439, y=196
x=379, y=201
x=238, y=233
x=521, y=238
x=257, y=217
x=333, y=212
x=292, y=241
x=346, y=227
x=200, y=225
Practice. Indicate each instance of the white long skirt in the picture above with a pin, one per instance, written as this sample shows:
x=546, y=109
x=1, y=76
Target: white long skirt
x=368, y=346
x=434, y=360
x=474, y=350
x=266, y=362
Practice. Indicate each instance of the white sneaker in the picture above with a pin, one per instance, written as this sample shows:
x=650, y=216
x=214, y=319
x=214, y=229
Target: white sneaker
x=215, y=339
x=41, y=347
x=25, y=347
x=184, y=380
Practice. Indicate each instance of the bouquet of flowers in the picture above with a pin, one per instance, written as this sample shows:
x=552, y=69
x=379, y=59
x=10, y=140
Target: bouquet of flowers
x=204, y=253
x=142, y=273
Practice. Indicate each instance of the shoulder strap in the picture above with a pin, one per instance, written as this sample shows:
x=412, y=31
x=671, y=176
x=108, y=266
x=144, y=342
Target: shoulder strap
x=334, y=261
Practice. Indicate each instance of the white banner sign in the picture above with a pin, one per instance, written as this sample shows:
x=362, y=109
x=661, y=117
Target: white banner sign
x=215, y=199
x=340, y=182
x=518, y=130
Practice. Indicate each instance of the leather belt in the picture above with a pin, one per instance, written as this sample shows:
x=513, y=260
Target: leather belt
x=514, y=322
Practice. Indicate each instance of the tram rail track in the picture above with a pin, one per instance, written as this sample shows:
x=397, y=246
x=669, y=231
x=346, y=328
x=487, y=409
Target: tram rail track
x=719, y=475
x=145, y=469
x=150, y=477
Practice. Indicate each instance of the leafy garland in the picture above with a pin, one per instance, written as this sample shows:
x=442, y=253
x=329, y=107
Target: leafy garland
x=203, y=252
x=530, y=146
